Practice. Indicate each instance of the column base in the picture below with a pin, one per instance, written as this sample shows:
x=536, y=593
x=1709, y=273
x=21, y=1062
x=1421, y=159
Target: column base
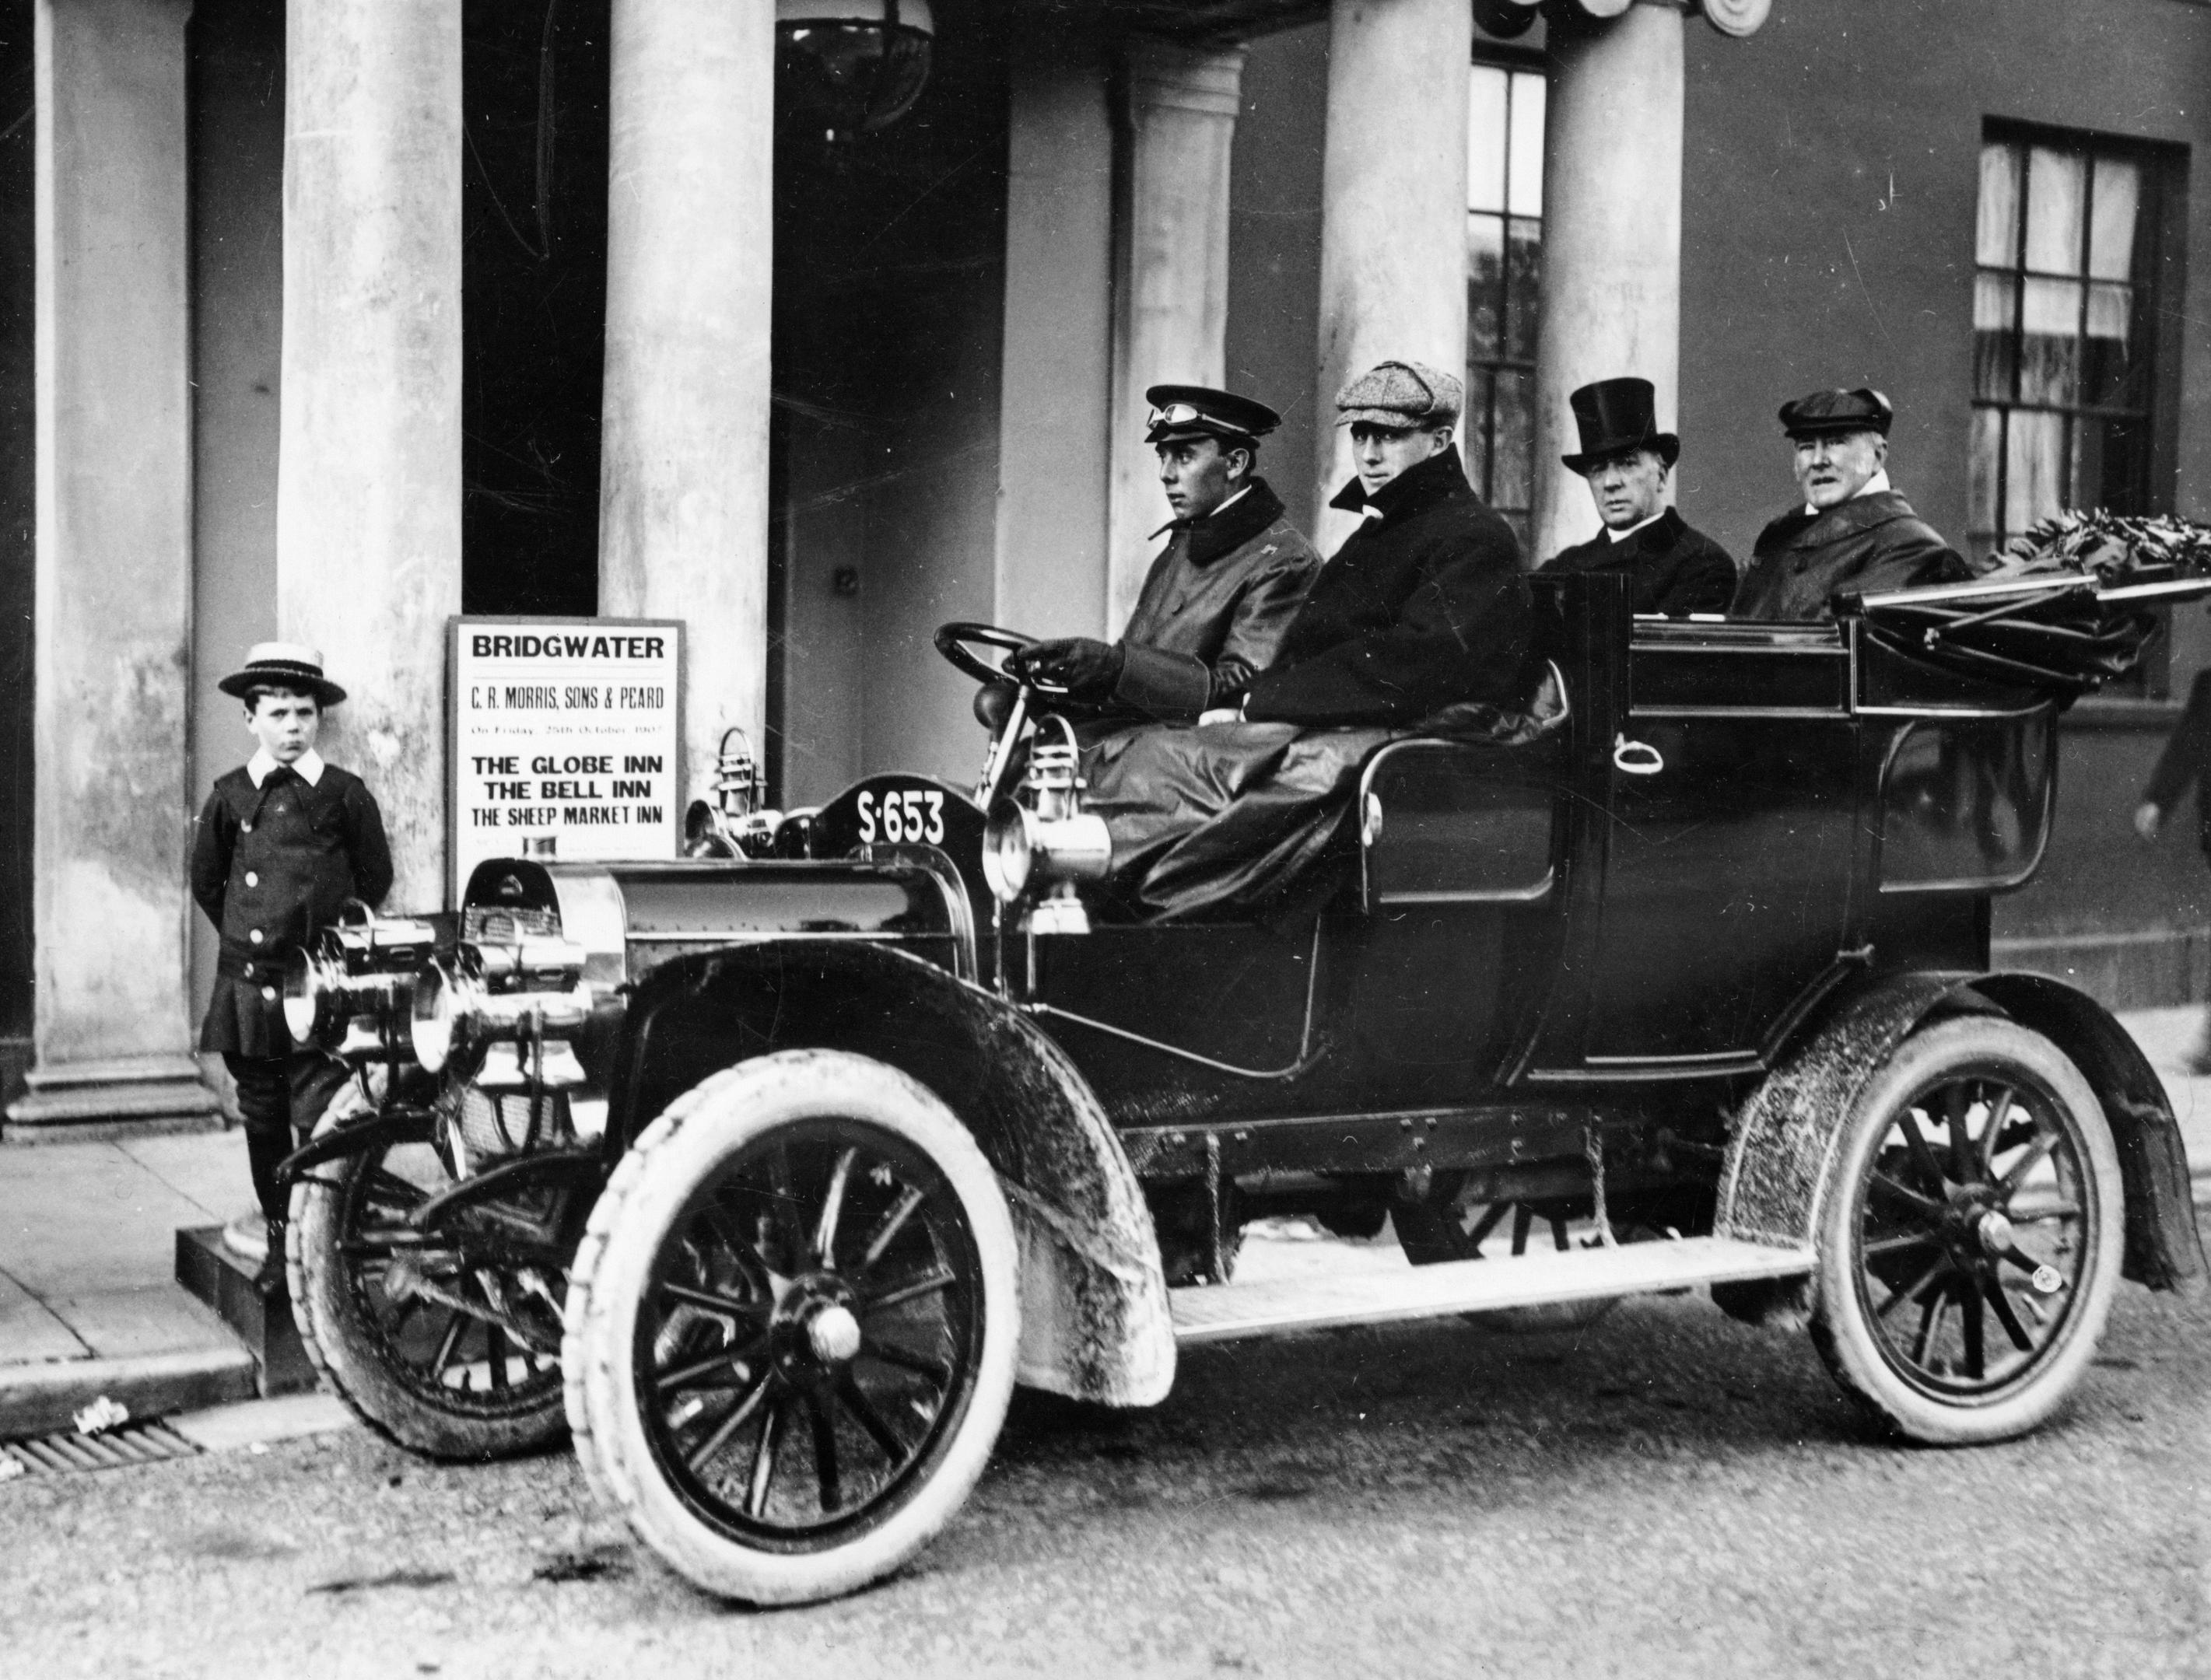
x=86, y=1102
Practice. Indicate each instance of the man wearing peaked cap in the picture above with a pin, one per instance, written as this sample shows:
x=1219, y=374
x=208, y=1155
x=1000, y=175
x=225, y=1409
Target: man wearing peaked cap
x=1853, y=533
x=1219, y=596
x=1626, y=458
x=1424, y=605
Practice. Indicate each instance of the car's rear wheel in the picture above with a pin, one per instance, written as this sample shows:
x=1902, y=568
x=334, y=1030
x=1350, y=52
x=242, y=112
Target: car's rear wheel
x=1448, y=1224
x=449, y=1350
x=792, y=1327
x=1971, y=1237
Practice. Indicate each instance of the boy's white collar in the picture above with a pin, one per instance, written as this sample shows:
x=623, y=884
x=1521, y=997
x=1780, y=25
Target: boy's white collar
x=309, y=764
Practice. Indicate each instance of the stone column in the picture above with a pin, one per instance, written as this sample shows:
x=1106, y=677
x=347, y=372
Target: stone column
x=1173, y=322
x=1056, y=392
x=111, y=1033
x=1612, y=236
x=1393, y=207
x=683, y=483
x=368, y=490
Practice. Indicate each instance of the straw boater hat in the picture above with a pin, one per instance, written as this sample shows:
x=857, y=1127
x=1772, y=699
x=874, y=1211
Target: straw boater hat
x=283, y=665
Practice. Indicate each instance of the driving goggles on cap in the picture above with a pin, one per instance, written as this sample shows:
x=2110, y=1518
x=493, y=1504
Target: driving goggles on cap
x=1182, y=414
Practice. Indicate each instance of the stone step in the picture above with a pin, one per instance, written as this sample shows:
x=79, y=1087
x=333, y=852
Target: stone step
x=259, y=1315
x=1278, y=1307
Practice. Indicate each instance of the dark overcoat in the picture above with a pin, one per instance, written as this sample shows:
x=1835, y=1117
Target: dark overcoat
x=1423, y=606
x=1214, y=608
x=270, y=866
x=2186, y=761
x=1869, y=542
x=1676, y=569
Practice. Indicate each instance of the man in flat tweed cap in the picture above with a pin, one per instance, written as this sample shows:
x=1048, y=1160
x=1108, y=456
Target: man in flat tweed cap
x=1854, y=533
x=284, y=842
x=1219, y=596
x=1424, y=605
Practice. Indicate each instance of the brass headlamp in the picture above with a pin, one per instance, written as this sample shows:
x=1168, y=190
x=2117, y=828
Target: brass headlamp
x=504, y=1012
x=1046, y=839
x=348, y=988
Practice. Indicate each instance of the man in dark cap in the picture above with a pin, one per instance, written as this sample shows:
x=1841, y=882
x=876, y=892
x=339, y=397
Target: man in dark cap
x=1214, y=605
x=1854, y=533
x=1626, y=458
x=1424, y=605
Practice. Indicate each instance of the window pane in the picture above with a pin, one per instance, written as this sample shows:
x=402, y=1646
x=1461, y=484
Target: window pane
x=2034, y=469
x=1997, y=241
x=2113, y=375
x=1485, y=285
x=1528, y=91
x=1513, y=452
x=2049, y=345
x=1474, y=429
x=2055, y=182
x=2111, y=221
x=1485, y=140
x=1981, y=478
x=1523, y=291
x=2109, y=465
x=1995, y=312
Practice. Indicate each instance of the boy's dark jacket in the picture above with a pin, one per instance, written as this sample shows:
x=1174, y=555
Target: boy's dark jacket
x=277, y=861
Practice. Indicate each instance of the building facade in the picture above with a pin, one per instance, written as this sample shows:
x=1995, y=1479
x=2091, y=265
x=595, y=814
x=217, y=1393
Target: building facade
x=332, y=318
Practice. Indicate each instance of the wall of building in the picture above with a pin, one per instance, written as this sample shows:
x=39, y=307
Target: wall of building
x=17, y=557
x=1831, y=179
x=237, y=114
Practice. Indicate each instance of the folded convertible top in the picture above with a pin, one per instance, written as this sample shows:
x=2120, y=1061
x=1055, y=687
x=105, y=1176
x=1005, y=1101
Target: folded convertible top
x=2067, y=609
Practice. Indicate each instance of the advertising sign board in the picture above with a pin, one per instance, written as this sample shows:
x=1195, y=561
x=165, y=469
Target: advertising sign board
x=566, y=739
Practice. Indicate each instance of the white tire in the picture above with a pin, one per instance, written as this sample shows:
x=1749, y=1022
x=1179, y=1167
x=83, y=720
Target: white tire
x=793, y=1368
x=1965, y=1275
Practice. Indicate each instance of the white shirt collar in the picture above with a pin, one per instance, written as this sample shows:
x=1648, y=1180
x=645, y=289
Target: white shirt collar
x=1876, y=485
x=1622, y=536
x=1230, y=502
x=309, y=764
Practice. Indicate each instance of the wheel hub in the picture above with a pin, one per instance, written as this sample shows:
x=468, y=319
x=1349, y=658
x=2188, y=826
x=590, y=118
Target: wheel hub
x=815, y=1328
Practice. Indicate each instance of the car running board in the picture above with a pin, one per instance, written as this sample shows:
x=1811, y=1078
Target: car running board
x=1230, y=1312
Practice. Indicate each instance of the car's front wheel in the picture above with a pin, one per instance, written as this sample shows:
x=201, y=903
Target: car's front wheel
x=1970, y=1242
x=792, y=1327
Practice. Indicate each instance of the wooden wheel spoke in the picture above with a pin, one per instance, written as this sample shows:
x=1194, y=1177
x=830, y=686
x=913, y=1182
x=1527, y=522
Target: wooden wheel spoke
x=1921, y=1151
x=1924, y=1206
x=1970, y=1320
x=731, y=1422
x=936, y=1278
x=748, y=1259
x=786, y=1205
x=722, y=1359
x=2006, y=1316
x=1901, y=1244
x=855, y=1401
x=1930, y=1326
x=495, y=1356
x=1957, y=1103
x=832, y=1208
x=763, y=1478
x=1913, y=1289
x=2045, y=1139
x=456, y=1321
x=2041, y=1213
x=906, y=1359
x=892, y=1222
x=824, y=1453
x=2000, y=1105
x=709, y=1300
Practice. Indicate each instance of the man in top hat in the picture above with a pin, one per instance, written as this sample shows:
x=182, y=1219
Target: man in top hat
x=284, y=842
x=1424, y=605
x=1854, y=533
x=1675, y=570
x=1219, y=596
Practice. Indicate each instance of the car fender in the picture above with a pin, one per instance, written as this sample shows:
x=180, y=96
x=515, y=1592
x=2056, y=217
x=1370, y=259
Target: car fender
x=1781, y=1152
x=1094, y=1318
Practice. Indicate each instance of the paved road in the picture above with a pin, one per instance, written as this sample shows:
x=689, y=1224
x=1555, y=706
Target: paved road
x=1668, y=1492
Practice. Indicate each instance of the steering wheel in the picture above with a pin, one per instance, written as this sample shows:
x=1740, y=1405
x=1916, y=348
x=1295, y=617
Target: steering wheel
x=957, y=642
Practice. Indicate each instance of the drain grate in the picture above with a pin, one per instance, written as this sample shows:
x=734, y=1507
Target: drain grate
x=67, y=1453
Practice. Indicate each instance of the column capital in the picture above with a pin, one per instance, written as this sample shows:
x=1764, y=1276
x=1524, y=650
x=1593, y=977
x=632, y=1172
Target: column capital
x=1166, y=75
x=1738, y=18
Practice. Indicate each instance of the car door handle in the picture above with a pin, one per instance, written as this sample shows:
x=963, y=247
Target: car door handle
x=1636, y=758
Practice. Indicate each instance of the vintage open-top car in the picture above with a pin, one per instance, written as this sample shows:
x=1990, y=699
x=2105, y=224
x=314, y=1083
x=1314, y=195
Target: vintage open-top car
x=768, y=1177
